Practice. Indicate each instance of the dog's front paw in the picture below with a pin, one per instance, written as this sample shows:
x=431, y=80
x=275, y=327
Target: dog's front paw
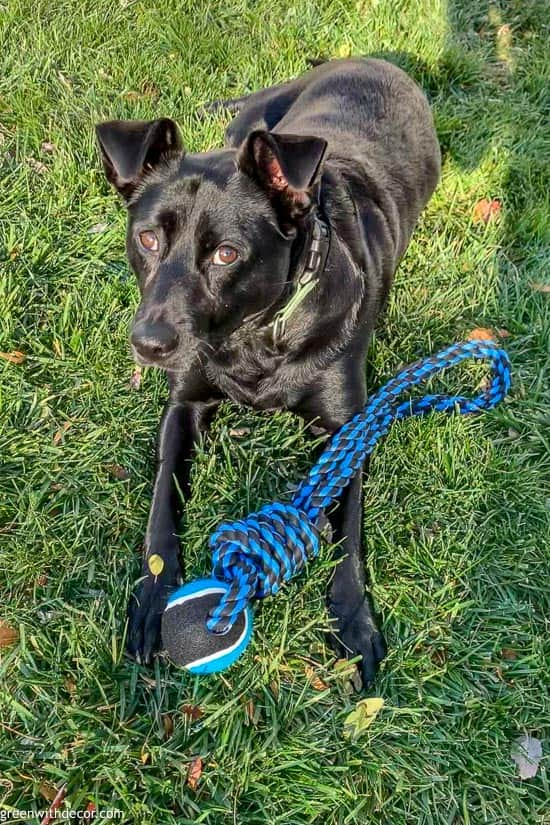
x=356, y=633
x=146, y=607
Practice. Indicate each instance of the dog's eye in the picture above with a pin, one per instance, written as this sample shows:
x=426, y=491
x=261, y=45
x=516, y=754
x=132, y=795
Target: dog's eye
x=225, y=255
x=149, y=240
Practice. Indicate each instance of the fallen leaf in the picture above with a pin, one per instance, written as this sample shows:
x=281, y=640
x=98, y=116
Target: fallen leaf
x=60, y=795
x=504, y=42
x=48, y=791
x=70, y=685
x=439, y=657
x=117, y=471
x=14, y=357
x=193, y=712
x=250, y=712
x=135, y=378
x=57, y=348
x=344, y=50
x=239, y=432
x=509, y=654
x=544, y=288
x=145, y=756
x=486, y=210
x=98, y=228
x=47, y=147
x=14, y=253
x=194, y=772
x=481, y=334
x=527, y=753
x=37, y=165
x=8, y=635
x=155, y=564
x=362, y=716
x=65, y=80
x=168, y=725
x=58, y=437
x=314, y=679
x=503, y=333
x=42, y=580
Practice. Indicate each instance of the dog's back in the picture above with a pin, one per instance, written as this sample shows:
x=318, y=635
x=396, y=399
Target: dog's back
x=379, y=128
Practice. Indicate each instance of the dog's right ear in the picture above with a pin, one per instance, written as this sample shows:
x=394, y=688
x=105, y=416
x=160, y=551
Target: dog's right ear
x=131, y=148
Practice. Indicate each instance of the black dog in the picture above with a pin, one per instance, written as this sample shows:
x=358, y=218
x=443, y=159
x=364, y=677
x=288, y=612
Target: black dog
x=263, y=268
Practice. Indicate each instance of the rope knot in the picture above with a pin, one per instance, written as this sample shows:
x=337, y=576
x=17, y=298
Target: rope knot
x=257, y=554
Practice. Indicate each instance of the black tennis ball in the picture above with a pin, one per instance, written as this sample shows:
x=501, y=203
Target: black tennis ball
x=186, y=637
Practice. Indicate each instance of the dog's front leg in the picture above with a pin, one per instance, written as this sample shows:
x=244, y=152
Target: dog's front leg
x=349, y=604
x=336, y=399
x=180, y=427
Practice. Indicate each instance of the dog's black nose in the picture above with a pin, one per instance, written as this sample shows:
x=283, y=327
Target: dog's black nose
x=154, y=339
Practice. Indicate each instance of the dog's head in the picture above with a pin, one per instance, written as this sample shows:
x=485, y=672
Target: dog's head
x=209, y=235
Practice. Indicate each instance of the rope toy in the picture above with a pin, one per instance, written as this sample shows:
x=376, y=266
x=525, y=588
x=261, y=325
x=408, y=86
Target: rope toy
x=207, y=624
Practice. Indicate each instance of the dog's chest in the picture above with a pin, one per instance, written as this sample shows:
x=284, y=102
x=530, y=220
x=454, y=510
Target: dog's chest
x=250, y=373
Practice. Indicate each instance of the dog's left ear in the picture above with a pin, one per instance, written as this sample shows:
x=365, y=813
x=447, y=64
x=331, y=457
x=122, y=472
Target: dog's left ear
x=130, y=148
x=286, y=166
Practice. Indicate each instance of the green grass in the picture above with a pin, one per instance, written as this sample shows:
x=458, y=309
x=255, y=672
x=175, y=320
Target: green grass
x=456, y=511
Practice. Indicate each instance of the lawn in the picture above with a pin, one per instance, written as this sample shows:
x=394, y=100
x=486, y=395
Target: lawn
x=456, y=510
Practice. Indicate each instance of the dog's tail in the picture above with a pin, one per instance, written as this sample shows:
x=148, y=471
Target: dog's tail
x=316, y=61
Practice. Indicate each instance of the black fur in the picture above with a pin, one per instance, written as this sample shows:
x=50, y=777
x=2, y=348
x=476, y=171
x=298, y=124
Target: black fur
x=355, y=136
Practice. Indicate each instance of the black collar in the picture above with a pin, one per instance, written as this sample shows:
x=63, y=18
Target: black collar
x=316, y=249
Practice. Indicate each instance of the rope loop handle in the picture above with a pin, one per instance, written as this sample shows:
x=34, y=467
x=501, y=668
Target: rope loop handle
x=256, y=555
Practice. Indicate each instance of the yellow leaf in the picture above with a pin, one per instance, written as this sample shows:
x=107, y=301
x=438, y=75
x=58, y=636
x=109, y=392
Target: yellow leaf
x=362, y=716
x=156, y=564
x=344, y=50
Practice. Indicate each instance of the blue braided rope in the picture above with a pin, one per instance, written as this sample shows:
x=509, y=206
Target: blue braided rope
x=256, y=555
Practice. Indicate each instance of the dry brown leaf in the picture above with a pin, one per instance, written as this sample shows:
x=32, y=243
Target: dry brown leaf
x=168, y=725
x=314, y=679
x=55, y=803
x=481, y=334
x=194, y=772
x=486, y=210
x=42, y=580
x=14, y=357
x=48, y=791
x=14, y=253
x=70, y=685
x=58, y=437
x=544, y=288
x=509, y=654
x=8, y=635
x=439, y=657
x=193, y=712
x=135, y=378
x=117, y=471
x=145, y=756
x=503, y=333
x=47, y=147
